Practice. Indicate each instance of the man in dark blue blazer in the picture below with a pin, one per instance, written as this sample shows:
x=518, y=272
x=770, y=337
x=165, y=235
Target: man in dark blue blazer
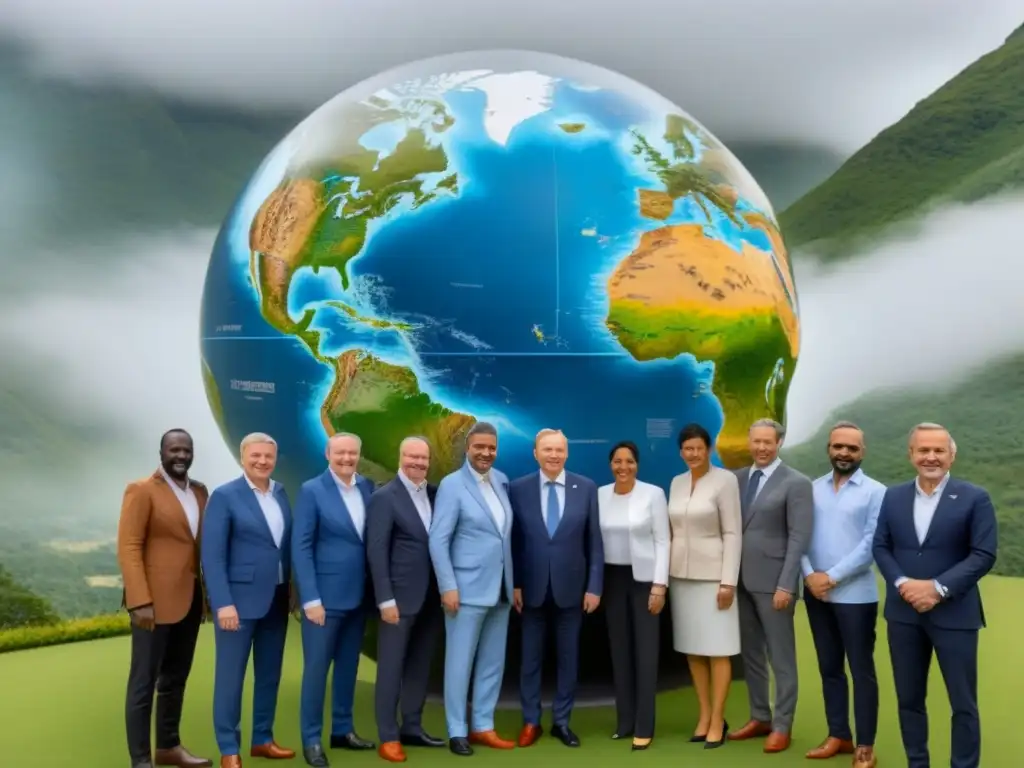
x=246, y=563
x=398, y=552
x=936, y=538
x=330, y=571
x=558, y=568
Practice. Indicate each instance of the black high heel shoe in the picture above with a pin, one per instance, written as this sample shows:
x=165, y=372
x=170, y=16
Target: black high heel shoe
x=721, y=742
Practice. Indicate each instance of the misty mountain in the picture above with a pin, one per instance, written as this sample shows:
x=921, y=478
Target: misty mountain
x=965, y=143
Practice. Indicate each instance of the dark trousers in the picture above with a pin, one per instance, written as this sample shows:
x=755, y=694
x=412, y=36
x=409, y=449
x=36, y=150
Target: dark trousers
x=567, y=623
x=910, y=648
x=264, y=638
x=404, y=653
x=633, y=635
x=337, y=642
x=161, y=662
x=845, y=632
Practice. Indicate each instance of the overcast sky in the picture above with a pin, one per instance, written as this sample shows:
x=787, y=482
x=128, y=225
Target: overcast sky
x=831, y=71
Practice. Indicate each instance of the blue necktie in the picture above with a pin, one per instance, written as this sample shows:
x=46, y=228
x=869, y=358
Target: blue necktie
x=751, y=494
x=553, y=512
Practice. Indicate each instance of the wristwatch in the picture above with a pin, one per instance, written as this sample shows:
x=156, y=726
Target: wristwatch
x=943, y=592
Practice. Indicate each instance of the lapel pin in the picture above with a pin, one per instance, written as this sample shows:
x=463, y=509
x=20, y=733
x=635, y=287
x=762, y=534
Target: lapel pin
x=574, y=485
x=952, y=495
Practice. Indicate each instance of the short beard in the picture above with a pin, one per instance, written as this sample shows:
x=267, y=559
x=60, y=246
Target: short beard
x=853, y=467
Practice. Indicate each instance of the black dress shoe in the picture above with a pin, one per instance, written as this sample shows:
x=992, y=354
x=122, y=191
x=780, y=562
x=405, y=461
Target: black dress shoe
x=421, y=739
x=622, y=735
x=351, y=741
x=315, y=756
x=565, y=735
x=460, y=746
x=716, y=744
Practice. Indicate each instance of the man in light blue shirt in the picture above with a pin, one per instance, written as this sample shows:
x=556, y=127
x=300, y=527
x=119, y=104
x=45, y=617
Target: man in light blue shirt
x=841, y=595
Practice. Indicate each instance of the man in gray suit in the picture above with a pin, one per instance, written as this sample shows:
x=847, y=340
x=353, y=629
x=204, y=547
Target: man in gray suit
x=398, y=552
x=778, y=516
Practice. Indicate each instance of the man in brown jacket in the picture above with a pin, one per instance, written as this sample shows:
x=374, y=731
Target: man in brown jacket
x=158, y=550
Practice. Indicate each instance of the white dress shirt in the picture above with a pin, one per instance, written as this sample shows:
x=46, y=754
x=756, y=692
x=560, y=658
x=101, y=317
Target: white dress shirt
x=419, y=498
x=766, y=472
x=559, y=493
x=353, y=499
x=187, y=498
x=925, y=505
x=274, y=517
x=493, y=502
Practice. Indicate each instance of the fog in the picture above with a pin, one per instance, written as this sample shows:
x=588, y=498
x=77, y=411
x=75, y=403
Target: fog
x=924, y=308
x=827, y=72
x=124, y=348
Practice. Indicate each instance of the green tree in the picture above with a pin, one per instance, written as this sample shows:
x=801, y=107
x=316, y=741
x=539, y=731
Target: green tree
x=19, y=607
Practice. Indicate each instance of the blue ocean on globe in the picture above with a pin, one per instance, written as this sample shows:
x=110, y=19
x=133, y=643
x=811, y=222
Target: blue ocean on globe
x=441, y=246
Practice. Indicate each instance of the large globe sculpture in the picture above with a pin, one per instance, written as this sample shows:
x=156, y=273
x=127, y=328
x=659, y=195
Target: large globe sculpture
x=504, y=236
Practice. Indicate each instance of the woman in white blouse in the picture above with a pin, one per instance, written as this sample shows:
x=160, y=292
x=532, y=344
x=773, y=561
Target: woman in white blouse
x=704, y=511
x=635, y=532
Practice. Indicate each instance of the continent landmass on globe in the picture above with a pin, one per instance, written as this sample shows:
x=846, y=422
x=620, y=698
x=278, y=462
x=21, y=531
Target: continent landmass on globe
x=680, y=291
x=318, y=218
x=684, y=292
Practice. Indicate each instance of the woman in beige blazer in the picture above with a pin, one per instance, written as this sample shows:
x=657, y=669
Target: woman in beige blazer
x=634, y=530
x=704, y=565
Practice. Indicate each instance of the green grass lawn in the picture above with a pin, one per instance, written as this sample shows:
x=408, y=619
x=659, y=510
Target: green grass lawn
x=64, y=705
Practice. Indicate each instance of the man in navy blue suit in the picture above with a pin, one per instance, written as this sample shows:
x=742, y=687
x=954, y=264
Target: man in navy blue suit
x=936, y=538
x=246, y=562
x=558, y=567
x=330, y=571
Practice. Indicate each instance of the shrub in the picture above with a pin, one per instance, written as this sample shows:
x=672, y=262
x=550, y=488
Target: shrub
x=74, y=631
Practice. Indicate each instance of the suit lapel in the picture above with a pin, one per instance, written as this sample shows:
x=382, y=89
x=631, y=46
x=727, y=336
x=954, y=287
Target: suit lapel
x=171, y=502
x=253, y=504
x=573, y=501
x=506, y=505
x=408, y=507
x=773, y=480
x=470, y=481
x=336, y=502
x=945, y=502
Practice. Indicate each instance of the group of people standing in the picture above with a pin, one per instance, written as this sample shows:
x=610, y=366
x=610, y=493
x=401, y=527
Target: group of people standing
x=728, y=551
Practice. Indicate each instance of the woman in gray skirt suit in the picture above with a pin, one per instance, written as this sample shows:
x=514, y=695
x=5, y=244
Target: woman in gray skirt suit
x=704, y=565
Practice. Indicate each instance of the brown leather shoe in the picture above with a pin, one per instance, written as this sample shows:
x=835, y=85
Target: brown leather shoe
x=752, y=730
x=831, y=747
x=529, y=735
x=491, y=739
x=231, y=761
x=392, y=752
x=272, y=751
x=864, y=757
x=776, y=742
x=180, y=757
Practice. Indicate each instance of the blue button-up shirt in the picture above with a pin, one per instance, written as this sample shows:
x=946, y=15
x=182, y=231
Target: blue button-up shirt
x=844, y=526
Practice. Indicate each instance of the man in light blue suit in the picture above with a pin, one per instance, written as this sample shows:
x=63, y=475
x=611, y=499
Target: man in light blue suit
x=330, y=571
x=246, y=562
x=470, y=546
